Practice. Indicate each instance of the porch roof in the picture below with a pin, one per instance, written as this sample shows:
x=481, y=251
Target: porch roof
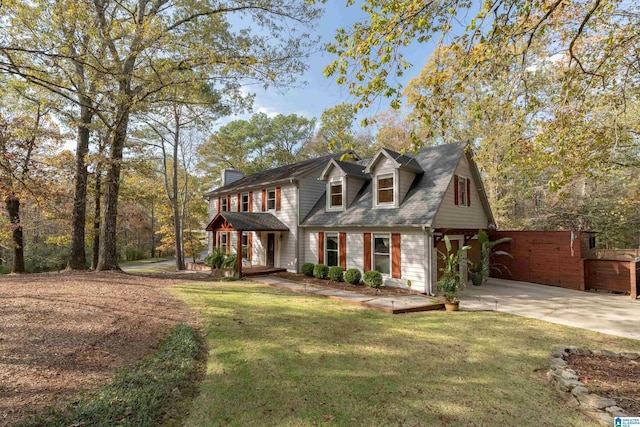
x=246, y=221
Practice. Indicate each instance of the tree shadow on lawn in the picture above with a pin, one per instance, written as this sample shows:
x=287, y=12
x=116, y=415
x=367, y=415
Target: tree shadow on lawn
x=291, y=359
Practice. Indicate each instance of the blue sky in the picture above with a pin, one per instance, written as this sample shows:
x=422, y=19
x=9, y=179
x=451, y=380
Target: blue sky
x=321, y=92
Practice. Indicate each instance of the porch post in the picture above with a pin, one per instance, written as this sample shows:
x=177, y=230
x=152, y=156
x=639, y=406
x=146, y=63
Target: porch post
x=239, y=252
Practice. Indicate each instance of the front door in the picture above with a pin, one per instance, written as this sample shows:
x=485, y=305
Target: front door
x=271, y=249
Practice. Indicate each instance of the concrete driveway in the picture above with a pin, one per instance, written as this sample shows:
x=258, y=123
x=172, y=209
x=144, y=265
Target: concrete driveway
x=597, y=311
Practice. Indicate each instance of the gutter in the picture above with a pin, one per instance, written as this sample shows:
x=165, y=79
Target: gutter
x=428, y=260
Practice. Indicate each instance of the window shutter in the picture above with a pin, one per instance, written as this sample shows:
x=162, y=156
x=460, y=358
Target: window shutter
x=219, y=203
x=228, y=202
x=239, y=203
x=250, y=244
x=264, y=200
x=250, y=201
x=342, y=243
x=228, y=241
x=367, y=251
x=321, y=247
x=395, y=256
x=214, y=238
x=455, y=190
x=218, y=245
x=278, y=194
x=468, y=192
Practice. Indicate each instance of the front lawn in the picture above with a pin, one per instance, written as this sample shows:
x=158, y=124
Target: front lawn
x=277, y=358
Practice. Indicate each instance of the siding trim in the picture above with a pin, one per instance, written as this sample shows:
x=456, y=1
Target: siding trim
x=367, y=251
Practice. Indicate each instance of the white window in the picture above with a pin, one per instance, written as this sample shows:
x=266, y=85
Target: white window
x=463, y=196
x=335, y=194
x=385, y=189
x=223, y=242
x=382, y=253
x=244, y=202
x=332, y=257
x=271, y=199
x=245, y=245
x=225, y=204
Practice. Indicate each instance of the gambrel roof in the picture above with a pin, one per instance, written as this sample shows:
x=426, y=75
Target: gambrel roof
x=419, y=207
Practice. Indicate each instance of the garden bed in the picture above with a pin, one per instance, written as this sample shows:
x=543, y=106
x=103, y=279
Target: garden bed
x=343, y=286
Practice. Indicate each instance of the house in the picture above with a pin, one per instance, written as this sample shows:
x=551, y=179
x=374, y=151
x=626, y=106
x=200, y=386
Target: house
x=389, y=213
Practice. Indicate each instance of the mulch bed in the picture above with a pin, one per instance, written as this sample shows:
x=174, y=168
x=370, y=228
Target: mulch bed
x=65, y=332
x=616, y=378
x=361, y=288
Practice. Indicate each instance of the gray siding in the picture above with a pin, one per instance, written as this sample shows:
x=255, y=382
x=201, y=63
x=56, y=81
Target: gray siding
x=311, y=191
x=354, y=185
x=451, y=216
x=406, y=179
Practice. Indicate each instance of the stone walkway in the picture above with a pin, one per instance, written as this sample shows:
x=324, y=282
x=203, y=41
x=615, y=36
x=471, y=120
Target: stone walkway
x=396, y=304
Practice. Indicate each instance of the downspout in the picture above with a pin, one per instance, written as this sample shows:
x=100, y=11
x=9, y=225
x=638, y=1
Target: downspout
x=428, y=260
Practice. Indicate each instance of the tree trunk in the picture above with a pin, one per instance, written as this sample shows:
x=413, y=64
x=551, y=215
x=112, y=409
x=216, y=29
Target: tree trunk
x=177, y=223
x=108, y=259
x=77, y=253
x=153, y=229
x=96, y=220
x=13, y=208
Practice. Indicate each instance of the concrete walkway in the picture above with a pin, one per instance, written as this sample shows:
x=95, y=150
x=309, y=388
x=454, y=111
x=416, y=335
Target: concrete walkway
x=394, y=304
x=612, y=314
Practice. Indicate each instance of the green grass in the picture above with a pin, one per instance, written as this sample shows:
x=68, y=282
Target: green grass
x=142, y=262
x=283, y=359
x=148, y=394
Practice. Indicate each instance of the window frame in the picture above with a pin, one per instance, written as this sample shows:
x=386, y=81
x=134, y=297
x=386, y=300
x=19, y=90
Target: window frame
x=380, y=177
x=331, y=184
x=336, y=250
x=463, y=184
x=269, y=199
x=245, y=245
x=224, y=204
x=224, y=241
x=243, y=202
x=374, y=236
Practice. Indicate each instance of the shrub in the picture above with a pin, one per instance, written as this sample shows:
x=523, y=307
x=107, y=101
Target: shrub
x=140, y=395
x=373, y=278
x=231, y=261
x=320, y=271
x=352, y=276
x=307, y=269
x=5, y=269
x=336, y=274
x=215, y=258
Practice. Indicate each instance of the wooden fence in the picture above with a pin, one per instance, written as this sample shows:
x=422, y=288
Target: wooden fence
x=612, y=275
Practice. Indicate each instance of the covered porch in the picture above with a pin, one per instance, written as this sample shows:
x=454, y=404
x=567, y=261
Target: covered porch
x=256, y=236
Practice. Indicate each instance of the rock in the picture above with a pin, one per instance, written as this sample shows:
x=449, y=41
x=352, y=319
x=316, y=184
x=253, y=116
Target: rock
x=560, y=349
x=604, y=419
x=564, y=384
x=557, y=362
x=613, y=409
x=580, y=351
x=567, y=374
x=558, y=353
x=593, y=401
x=630, y=356
x=572, y=402
x=579, y=390
x=609, y=353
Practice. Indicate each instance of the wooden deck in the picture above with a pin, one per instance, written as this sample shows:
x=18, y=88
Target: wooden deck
x=260, y=270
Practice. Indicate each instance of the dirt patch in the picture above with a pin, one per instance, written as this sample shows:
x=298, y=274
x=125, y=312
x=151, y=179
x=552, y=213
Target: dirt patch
x=617, y=378
x=361, y=289
x=65, y=332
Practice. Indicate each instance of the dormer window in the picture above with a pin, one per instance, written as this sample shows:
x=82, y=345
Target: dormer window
x=335, y=192
x=385, y=191
x=462, y=189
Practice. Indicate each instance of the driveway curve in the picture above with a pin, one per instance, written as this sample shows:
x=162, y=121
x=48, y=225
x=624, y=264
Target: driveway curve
x=608, y=313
